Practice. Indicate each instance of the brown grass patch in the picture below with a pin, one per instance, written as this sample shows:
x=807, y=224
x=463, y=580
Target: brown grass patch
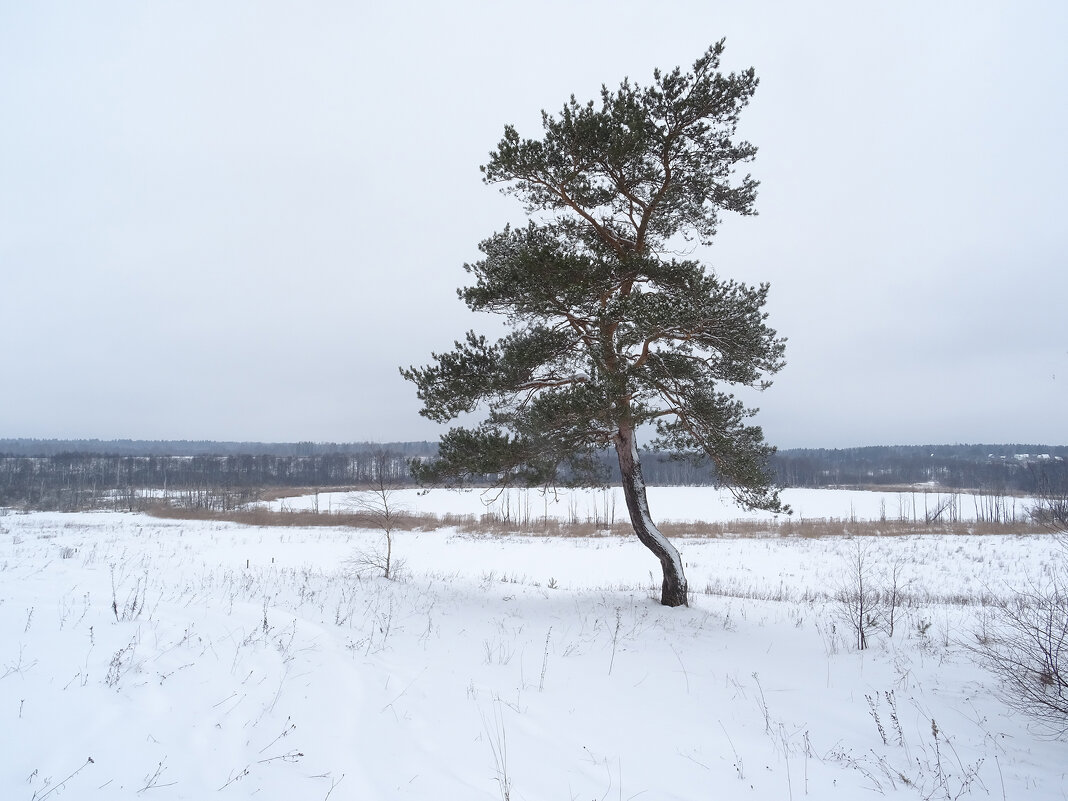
x=812, y=528
x=490, y=524
x=303, y=519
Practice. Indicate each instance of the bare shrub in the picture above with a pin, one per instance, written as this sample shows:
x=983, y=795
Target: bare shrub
x=377, y=559
x=1027, y=651
x=1026, y=647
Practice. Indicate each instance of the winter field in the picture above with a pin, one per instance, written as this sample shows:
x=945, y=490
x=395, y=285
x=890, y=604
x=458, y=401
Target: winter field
x=680, y=504
x=183, y=659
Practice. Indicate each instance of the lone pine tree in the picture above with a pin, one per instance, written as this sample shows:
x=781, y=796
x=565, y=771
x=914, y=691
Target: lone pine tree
x=610, y=331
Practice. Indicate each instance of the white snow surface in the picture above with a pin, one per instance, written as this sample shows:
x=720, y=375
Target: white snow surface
x=194, y=660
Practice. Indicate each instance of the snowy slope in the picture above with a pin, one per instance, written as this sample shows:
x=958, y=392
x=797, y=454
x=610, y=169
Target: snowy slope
x=194, y=659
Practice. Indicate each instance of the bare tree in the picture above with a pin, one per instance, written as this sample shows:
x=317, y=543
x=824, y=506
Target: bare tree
x=380, y=506
x=1051, y=507
x=896, y=586
x=858, y=597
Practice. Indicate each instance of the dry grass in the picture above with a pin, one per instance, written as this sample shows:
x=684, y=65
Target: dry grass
x=841, y=527
x=489, y=524
x=738, y=529
x=303, y=519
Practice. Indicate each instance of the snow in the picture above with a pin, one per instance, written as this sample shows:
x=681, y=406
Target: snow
x=194, y=659
x=666, y=504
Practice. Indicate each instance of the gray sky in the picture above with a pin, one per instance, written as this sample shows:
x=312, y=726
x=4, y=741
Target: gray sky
x=234, y=220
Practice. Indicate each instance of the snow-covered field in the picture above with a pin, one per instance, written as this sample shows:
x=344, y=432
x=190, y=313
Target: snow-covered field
x=188, y=660
x=675, y=504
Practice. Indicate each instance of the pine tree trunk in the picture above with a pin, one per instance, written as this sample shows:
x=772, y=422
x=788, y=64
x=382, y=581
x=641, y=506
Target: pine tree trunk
x=673, y=591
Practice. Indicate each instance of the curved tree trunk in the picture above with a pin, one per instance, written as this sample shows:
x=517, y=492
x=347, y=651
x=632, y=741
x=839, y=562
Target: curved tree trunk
x=673, y=592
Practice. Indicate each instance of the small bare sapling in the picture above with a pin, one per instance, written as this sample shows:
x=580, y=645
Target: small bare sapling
x=380, y=506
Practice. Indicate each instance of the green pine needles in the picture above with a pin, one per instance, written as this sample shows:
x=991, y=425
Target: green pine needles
x=611, y=334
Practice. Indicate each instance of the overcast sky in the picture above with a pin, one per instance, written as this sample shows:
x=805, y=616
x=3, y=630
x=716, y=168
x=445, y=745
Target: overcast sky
x=234, y=219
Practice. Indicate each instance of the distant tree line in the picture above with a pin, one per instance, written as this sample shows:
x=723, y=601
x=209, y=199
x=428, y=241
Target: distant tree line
x=53, y=474
x=69, y=481
x=1030, y=469
x=142, y=447
x=1003, y=468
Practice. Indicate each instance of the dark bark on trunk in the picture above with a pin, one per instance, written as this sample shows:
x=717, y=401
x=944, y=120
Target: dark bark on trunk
x=673, y=590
